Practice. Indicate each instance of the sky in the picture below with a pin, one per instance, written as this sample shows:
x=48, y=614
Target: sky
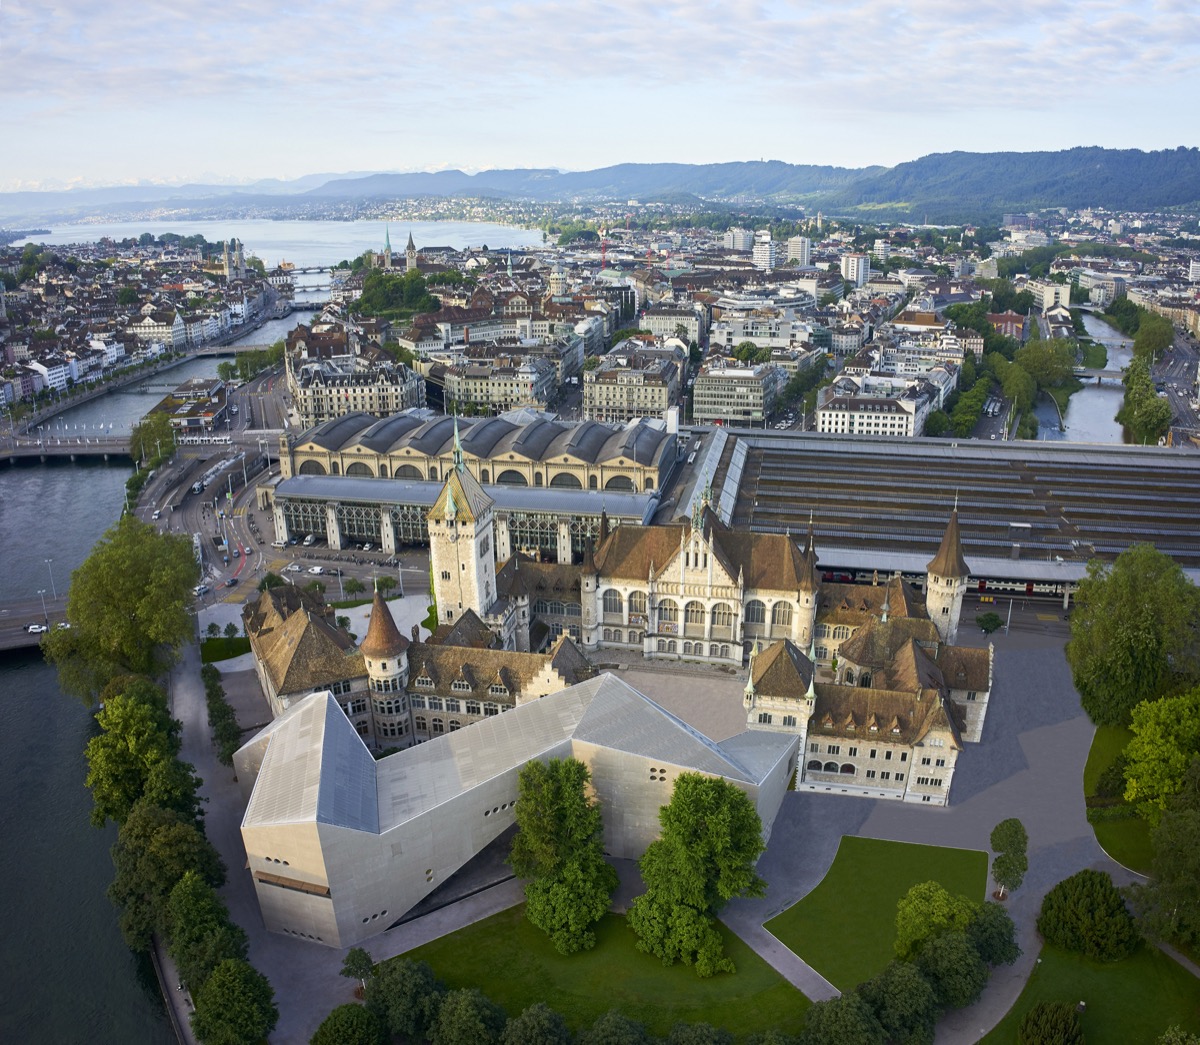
x=171, y=92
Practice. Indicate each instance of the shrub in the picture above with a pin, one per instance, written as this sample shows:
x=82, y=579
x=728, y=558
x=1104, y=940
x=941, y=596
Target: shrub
x=1050, y=1023
x=1087, y=914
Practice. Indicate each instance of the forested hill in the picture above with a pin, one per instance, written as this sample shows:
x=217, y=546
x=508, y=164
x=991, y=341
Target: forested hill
x=942, y=187
x=957, y=186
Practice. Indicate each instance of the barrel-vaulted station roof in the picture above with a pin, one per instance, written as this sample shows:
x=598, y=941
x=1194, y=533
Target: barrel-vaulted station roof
x=491, y=438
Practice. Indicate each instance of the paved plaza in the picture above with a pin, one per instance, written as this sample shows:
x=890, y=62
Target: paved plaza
x=1029, y=765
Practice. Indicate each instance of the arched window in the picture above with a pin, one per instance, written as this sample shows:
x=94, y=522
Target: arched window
x=714, y=650
x=383, y=471
x=725, y=651
x=662, y=646
x=612, y=602
x=420, y=723
x=312, y=468
x=509, y=477
x=671, y=646
x=358, y=468
x=781, y=614
x=439, y=726
x=566, y=481
x=693, y=613
x=591, y=482
x=668, y=611
x=756, y=612
x=687, y=649
x=830, y=767
x=841, y=632
x=407, y=471
x=864, y=680
x=814, y=764
x=848, y=769
x=722, y=615
x=637, y=602
x=432, y=474
x=483, y=478
x=620, y=482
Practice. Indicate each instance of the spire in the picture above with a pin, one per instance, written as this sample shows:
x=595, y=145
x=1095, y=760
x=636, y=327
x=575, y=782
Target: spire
x=589, y=564
x=410, y=245
x=949, y=561
x=887, y=603
x=749, y=690
x=603, y=525
x=383, y=638
x=451, y=510
x=387, y=239
x=808, y=564
x=812, y=660
x=458, y=451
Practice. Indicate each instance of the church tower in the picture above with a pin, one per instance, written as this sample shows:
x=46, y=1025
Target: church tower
x=385, y=652
x=410, y=255
x=387, y=248
x=947, y=583
x=461, y=542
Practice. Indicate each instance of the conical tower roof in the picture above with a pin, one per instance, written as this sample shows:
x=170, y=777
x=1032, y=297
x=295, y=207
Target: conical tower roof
x=808, y=564
x=383, y=637
x=949, y=561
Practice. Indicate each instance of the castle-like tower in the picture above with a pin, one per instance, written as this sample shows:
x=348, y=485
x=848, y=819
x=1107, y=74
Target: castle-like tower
x=385, y=653
x=461, y=542
x=947, y=583
x=807, y=597
x=410, y=255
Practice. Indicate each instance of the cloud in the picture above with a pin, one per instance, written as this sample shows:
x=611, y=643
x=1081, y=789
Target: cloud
x=522, y=78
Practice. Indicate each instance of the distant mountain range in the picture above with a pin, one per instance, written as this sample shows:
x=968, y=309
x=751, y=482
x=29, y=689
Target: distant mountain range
x=942, y=187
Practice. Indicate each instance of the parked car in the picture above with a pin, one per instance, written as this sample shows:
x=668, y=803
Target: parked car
x=316, y=569
x=201, y=589
x=293, y=568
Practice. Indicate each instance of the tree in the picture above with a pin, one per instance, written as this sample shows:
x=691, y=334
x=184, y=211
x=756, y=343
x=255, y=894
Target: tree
x=231, y=631
x=937, y=423
x=614, y=1028
x=383, y=584
x=994, y=935
x=1010, y=841
x=213, y=630
x=1176, y=1035
x=989, y=622
x=537, y=1025
x=1086, y=914
x=358, y=965
x=151, y=436
x=1050, y=1023
x=1166, y=740
x=953, y=968
x=227, y=371
x=270, y=580
x=350, y=1024
x=315, y=587
x=903, y=1002
x=128, y=607
x=468, y=1017
x=155, y=848
x=353, y=586
x=559, y=845
x=925, y=911
x=235, y=1006
x=1049, y=363
x=199, y=933
x=1132, y=633
x=698, y=1034
x=406, y=996
x=127, y=296
x=135, y=736
x=845, y=1020
x=1168, y=905
x=711, y=838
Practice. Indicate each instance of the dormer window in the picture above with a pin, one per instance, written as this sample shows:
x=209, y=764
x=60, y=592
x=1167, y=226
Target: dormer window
x=425, y=682
x=460, y=686
x=498, y=689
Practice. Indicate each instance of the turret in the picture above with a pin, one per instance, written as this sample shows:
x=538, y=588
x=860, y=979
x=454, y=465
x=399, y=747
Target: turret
x=947, y=582
x=806, y=597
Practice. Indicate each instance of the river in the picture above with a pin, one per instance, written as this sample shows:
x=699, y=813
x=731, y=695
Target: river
x=1092, y=411
x=67, y=976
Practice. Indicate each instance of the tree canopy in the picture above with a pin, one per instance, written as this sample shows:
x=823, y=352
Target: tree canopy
x=468, y=1017
x=235, y=1006
x=903, y=1001
x=559, y=845
x=199, y=933
x=350, y=1024
x=1010, y=842
x=406, y=996
x=1132, y=633
x=844, y=1020
x=1087, y=914
x=953, y=968
x=127, y=606
x=711, y=839
x=927, y=910
x=1166, y=740
x=537, y=1025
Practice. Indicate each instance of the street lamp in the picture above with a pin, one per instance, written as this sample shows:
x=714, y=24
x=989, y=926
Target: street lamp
x=45, y=615
x=53, y=590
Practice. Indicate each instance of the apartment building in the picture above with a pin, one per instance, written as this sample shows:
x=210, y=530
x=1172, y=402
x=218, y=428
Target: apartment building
x=728, y=392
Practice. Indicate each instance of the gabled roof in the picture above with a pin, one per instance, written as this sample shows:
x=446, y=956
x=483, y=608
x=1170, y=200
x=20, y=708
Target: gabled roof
x=305, y=652
x=461, y=498
x=781, y=670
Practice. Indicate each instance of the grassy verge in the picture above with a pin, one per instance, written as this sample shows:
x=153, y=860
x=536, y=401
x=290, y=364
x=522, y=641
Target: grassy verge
x=212, y=650
x=1064, y=392
x=515, y=965
x=1126, y=841
x=1130, y=1001
x=1095, y=355
x=846, y=926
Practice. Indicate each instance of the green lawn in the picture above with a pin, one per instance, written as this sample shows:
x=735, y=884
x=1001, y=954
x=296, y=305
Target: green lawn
x=846, y=926
x=1126, y=841
x=1128, y=1003
x=515, y=965
x=223, y=649
x=1095, y=355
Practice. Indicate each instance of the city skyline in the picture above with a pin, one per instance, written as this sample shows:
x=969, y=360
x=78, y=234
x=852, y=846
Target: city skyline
x=151, y=93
